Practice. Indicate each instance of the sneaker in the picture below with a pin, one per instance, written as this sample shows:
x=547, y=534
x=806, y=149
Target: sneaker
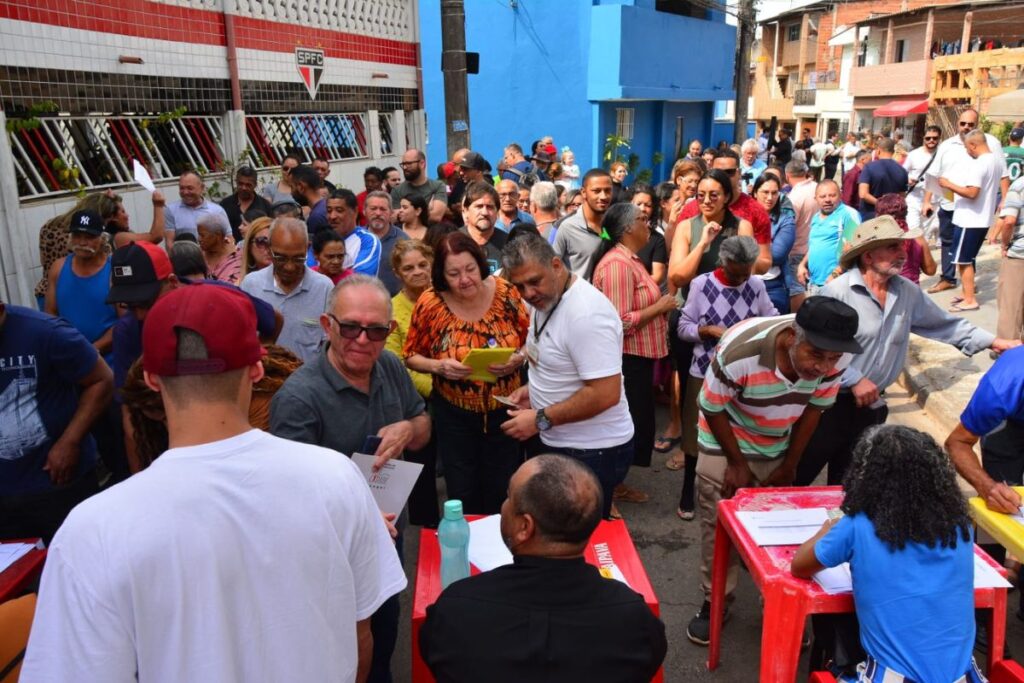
x=627, y=494
x=699, y=628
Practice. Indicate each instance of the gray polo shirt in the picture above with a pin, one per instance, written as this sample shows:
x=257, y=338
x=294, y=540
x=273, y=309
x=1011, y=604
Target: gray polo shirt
x=301, y=308
x=179, y=218
x=577, y=245
x=317, y=405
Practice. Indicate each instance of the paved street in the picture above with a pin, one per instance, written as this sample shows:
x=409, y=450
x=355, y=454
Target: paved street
x=669, y=547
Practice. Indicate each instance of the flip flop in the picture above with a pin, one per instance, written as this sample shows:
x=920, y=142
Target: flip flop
x=960, y=308
x=660, y=443
x=955, y=300
x=676, y=462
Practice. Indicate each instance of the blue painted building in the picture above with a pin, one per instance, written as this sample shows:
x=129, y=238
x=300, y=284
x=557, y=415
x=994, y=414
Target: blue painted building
x=578, y=70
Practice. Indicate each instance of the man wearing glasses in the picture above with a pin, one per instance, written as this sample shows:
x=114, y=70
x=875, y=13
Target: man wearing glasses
x=295, y=291
x=917, y=164
x=351, y=390
x=418, y=183
x=950, y=159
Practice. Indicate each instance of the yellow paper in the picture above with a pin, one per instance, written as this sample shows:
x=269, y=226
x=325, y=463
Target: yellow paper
x=479, y=359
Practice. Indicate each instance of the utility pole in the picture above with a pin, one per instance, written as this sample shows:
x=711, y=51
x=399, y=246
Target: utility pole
x=453, y=66
x=744, y=41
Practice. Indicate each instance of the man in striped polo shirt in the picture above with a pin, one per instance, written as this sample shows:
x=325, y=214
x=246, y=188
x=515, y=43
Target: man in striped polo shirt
x=761, y=400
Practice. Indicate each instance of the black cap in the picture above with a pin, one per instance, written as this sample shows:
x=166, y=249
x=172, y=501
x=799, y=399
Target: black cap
x=830, y=324
x=1017, y=134
x=137, y=271
x=474, y=161
x=87, y=222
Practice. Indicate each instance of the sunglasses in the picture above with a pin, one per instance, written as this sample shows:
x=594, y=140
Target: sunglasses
x=966, y=124
x=930, y=138
x=350, y=330
x=710, y=196
x=262, y=241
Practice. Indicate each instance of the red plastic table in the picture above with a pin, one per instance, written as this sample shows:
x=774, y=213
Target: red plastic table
x=789, y=600
x=26, y=569
x=610, y=544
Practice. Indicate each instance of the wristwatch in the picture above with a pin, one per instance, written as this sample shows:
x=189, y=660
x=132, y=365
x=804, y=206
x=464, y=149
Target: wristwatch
x=543, y=423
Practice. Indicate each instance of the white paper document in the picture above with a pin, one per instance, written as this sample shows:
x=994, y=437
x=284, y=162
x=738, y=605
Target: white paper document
x=986, y=576
x=782, y=527
x=12, y=552
x=142, y=176
x=839, y=580
x=487, y=549
x=392, y=483
x=835, y=580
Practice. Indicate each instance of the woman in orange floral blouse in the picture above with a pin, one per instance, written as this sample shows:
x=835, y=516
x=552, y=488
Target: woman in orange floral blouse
x=467, y=308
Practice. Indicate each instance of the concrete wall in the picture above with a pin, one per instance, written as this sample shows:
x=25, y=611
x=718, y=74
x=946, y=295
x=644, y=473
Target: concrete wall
x=532, y=80
x=551, y=68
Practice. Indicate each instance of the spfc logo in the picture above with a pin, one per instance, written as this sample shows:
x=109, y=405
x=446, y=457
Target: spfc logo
x=310, y=64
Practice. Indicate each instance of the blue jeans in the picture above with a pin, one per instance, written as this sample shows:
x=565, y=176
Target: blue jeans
x=946, y=229
x=795, y=288
x=609, y=464
x=778, y=292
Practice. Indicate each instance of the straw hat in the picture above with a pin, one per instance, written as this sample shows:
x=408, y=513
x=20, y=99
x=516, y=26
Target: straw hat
x=877, y=232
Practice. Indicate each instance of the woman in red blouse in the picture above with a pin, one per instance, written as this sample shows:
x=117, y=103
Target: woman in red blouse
x=621, y=276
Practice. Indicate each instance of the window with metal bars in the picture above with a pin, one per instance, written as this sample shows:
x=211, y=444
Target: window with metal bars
x=624, y=123
x=59, y=154
x=334, y=137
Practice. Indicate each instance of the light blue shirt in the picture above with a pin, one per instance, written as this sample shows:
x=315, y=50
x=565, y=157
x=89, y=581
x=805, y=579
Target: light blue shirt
x=179, y=218
x=825, y=241
x=301, y=308
x=884, y=332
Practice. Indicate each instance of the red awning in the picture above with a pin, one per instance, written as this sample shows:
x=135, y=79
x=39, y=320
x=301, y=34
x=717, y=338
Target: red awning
x=898, y=108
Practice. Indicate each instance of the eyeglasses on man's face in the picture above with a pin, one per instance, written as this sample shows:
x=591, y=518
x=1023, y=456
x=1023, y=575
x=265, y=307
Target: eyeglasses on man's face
x=351, y=330
x=283, y=259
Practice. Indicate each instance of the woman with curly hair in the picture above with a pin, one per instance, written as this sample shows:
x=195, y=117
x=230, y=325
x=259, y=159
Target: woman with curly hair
x=907, y=537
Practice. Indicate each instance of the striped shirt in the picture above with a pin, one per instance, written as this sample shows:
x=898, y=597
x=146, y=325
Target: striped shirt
x=622, y=278
x=762, y=405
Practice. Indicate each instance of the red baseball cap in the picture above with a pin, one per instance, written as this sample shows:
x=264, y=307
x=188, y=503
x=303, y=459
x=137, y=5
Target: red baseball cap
x=225, y=318
x=137, y=271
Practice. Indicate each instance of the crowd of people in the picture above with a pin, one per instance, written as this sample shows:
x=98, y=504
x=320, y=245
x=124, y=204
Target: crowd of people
x=182, y=400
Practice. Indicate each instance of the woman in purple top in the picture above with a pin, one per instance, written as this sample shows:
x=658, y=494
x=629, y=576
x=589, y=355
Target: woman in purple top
x=717, y=301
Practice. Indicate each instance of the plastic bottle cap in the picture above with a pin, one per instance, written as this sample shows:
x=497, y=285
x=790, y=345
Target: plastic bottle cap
x=453, y=509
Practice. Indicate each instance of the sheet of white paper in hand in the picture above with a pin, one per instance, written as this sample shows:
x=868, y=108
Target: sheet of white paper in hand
x=487, y=549
x=12, y=552
x=1018, y=516
x=782, y=527
x=142, y=176
x=392, y=484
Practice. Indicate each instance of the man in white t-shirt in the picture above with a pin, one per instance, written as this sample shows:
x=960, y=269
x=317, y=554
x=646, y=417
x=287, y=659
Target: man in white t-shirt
x=975, y=185
x=236, y=556
x=916, y=163
x=575, y=398
x=849, y=152
x=952, y=155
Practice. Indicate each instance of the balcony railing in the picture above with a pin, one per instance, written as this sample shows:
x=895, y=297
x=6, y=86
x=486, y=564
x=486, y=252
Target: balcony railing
x=900, y=79
x=805, y=98
x=977, y=75
x=61, y=154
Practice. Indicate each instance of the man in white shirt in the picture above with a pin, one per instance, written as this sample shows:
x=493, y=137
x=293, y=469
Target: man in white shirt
x=183, y=215
x=951, y=155
x=575, y=397
x=916, y=163
x=976, y=186
x=236, y=556
x=849, y=152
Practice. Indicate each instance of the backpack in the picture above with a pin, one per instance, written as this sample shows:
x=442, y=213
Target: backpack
x=527, y=178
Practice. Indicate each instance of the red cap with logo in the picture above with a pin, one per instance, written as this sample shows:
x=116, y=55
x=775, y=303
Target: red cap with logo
x=226, y=320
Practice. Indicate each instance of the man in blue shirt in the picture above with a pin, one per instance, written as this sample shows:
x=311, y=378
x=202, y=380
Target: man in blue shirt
x=306, y=185
x=362, y=248
x=831, y=228
x=53, y=386
x=880, y=177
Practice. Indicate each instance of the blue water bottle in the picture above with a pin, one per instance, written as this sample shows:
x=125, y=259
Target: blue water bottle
x=453, y=537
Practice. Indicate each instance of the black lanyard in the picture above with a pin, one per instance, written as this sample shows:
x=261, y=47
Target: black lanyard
x=537, y=332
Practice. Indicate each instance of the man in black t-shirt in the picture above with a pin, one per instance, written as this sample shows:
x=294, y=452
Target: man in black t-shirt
x=782, y=149
x=244, y=199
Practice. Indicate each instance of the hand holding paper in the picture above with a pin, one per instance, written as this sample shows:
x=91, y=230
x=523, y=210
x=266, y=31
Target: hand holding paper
x=142, y=176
